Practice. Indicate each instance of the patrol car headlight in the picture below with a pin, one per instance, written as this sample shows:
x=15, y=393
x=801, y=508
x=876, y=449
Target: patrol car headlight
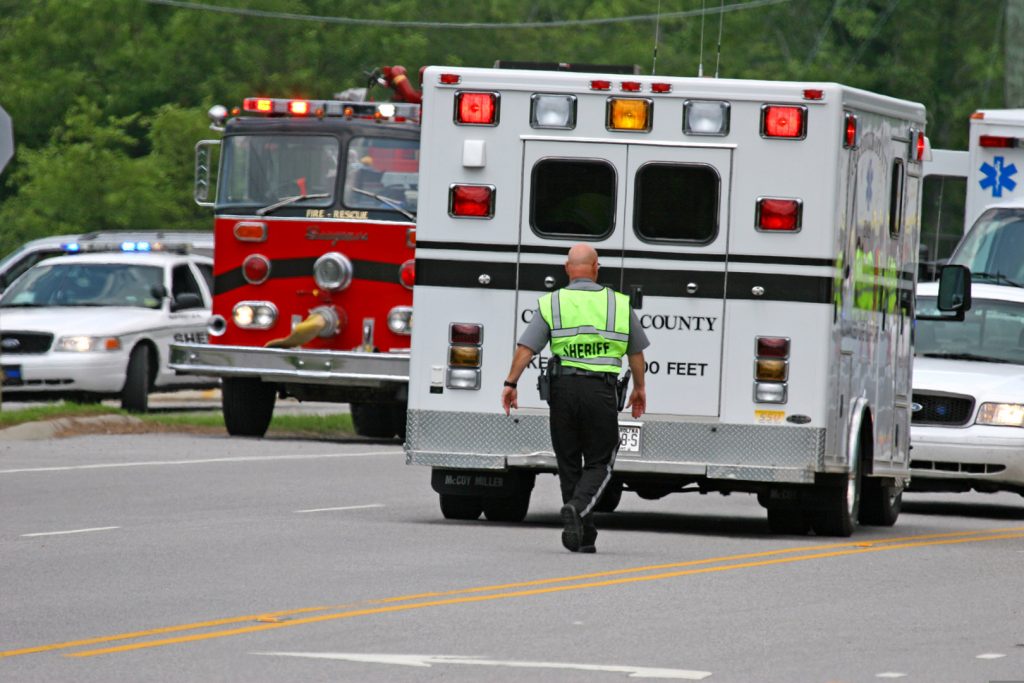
x=254, y=315
x=553, y=111
x=1001, y=414
x=333, y=271
x=83, y=343
x=705, y=118
x=400, y=320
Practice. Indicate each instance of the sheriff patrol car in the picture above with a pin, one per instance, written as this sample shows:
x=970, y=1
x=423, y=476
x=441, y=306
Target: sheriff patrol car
x=92, y=326
x=767, y=235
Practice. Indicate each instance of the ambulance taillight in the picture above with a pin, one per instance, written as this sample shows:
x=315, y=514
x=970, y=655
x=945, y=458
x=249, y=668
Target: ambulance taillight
x=771, y=369
x=629, y=114
x=778, y=214
x=476, y=108
x=471, y=201
x=465, y=355
x=998, y=141
x=784, y=121
x=850, y=137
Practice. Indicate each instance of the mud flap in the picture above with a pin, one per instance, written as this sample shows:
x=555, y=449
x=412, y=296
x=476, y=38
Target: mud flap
x=488, y=483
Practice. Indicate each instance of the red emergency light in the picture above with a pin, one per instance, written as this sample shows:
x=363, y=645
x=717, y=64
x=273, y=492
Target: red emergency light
x=631, y=86
x=476, y=108
x=450, y=79
x=600, y=85
x=661, y=87
x=779, y=121
x=919, y=146
x=256, y=269
x=263, y=105
x=471, y=201
x=407, y=274
x=998, y=141
x=850, y=131
x=778, y=214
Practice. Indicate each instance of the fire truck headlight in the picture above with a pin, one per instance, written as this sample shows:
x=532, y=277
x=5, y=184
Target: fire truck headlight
x=705, y=118
x=553, y=111
x=400, y=320
x=333, y=271
x=770, y=392
x=254, y=315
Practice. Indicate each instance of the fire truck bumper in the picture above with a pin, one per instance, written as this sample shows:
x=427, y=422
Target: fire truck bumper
x=293, y=366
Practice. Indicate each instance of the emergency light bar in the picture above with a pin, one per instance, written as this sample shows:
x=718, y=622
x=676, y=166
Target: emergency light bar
x=136, y=246
x=397, y=111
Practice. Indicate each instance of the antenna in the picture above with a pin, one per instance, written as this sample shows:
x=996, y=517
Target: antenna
x=657, y=36
x=721, y=20
x=700, y=64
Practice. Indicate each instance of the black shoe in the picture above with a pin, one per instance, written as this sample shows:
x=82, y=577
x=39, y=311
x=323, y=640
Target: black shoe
x=588, y=540
x=572, y=528
x=588, y=549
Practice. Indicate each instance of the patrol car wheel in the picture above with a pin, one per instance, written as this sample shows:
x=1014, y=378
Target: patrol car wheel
x=507, y=509
x=611, y=497
x=248, y=405
x=460, y=507
x=374, y=420
x=135, y=395
x=880, y=503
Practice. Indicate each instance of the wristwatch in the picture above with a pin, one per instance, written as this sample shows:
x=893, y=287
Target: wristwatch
x=510, y=384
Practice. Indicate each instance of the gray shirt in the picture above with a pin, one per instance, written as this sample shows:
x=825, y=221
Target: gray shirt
x=535, y=337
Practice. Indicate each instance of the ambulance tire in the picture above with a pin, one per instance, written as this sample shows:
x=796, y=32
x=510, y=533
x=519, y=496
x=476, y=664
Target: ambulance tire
x=790, y=521
x=611, y=497
x=373, y=420
x=248, y=405
x=135, y=395
x=508, y=508
x=880, y=503
x=838, y=516
x=460, y=507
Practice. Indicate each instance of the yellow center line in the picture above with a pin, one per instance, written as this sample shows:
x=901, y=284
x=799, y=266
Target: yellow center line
x=842, y=550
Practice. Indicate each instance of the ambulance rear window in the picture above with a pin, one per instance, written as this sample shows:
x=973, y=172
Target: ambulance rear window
x=573, y=197
x=676, y=202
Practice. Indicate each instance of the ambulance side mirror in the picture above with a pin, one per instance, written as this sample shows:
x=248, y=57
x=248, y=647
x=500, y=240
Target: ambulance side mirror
x=954, y=293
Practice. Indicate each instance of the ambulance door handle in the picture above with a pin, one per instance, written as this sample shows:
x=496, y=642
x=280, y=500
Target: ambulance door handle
x=636, y=297
x=691, y=288
x=549, y=281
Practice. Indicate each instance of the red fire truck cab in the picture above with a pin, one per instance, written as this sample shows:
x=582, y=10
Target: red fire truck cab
x=314, y=234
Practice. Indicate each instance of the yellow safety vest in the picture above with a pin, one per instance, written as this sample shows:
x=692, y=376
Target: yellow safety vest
x=589, y=329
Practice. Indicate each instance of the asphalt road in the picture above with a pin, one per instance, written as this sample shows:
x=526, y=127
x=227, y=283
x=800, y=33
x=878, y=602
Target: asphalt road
x=183, y=558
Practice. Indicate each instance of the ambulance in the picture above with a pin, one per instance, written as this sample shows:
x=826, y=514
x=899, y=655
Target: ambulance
x=766, y=234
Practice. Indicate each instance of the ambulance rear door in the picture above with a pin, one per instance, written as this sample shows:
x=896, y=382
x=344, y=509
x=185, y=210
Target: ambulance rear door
x=572, y=192
x=674, y=269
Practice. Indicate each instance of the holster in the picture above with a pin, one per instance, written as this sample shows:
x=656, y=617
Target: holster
x=548, y=371
x=621, y=389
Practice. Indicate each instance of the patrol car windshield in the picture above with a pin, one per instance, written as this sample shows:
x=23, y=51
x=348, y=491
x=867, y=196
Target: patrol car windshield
x=992, y=331
x=994, y=248
x=264, y=169
x=87, y=284
x=382, y=173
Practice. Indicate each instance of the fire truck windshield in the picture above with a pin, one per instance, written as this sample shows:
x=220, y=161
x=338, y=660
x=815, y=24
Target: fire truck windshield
x=265, y=169
x=382, y=173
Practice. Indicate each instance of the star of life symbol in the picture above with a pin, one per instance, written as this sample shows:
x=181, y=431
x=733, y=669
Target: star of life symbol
x=998, y=176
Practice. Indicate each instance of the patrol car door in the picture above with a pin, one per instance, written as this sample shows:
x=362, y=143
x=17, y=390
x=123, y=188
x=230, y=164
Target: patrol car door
x=674, y=263
x=188, y=311
x=572, y=192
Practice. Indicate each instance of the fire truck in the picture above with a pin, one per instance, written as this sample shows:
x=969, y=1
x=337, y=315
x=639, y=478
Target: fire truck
x=766, y=234
x=315, y=204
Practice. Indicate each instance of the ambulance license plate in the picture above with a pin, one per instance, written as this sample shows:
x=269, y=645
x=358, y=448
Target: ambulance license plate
x=629, y=437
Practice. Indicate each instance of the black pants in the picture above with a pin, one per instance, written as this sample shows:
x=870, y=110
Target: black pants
x=585, y=436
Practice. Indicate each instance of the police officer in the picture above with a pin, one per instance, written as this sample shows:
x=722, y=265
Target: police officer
x=590, y=328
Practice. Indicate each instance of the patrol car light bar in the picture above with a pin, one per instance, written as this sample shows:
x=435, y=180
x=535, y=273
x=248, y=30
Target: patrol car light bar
x=705, y=118
x=784, y=121
x=629, y=114
x=471, y=201
x=778, y=215
x=476, y=108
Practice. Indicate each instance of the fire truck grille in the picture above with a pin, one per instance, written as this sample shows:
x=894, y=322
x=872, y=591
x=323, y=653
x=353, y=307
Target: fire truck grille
x=946, y=411
x=25, y=342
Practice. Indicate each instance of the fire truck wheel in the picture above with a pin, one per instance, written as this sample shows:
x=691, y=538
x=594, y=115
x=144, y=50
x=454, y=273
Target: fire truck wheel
x=508, y=508
x=460, y=507
x=375, y=420
x=135, y=395
x=880, y=503
x=611, y=497
x=248, y=405
x=783, y=520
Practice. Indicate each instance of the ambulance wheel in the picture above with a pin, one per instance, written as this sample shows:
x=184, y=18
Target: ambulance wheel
x=611, y=497
x=135, y=395
x=507, y=509
x=788, y=521
x=838, y=516
x=460, y=507
x=880, y=503
x=248, y=405
x=374, y=420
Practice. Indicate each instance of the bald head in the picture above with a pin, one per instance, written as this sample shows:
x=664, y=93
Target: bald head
x=582, y=262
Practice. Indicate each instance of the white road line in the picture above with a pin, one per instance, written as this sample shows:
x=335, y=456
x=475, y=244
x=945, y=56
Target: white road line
x=203, y=461
x=428, y=660
x=990, y=655
x=347, y=507
x=73, y=531
x=891, y=674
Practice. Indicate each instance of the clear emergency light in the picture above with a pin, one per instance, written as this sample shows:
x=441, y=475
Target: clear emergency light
x=784, y=121
x=476, y=108
x=778, y=214
x=553, y=111
x=471, y=201
x=629, y=114
x=705, y=118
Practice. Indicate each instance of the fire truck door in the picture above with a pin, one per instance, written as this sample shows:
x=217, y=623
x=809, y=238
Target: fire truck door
x=674, y=264
x=572, y=192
